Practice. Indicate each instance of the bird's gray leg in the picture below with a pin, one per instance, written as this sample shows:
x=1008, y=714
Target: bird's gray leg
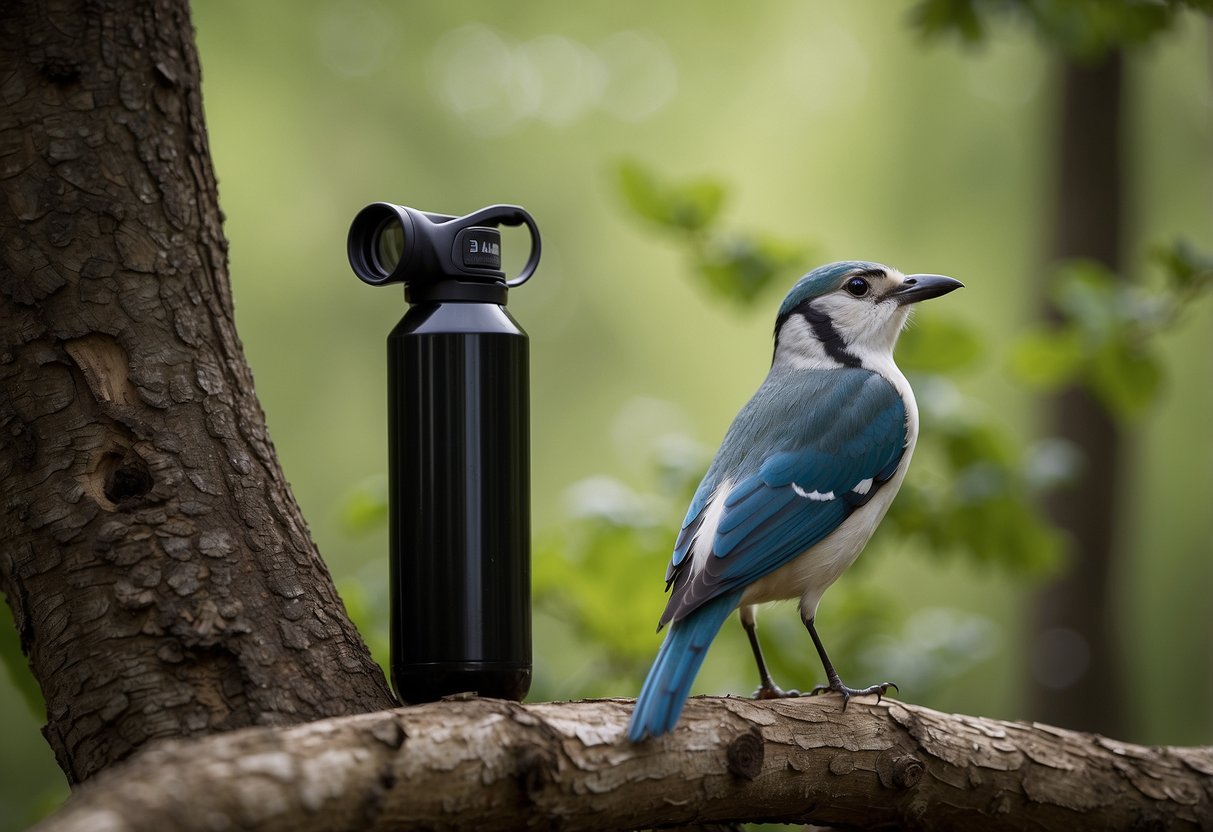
x=834, y=682
x=768, y=689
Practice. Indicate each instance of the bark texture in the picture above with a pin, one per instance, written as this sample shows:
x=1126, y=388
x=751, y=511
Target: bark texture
x=161, y=578
x=1088, y=218
x=488, y=764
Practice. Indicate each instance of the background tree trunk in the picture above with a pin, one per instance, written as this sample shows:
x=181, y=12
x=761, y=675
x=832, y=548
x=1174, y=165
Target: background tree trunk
x=161, y=578
x=1074, y=647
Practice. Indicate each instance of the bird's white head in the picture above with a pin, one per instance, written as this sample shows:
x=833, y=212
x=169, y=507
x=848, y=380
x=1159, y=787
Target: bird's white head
x=849, y=314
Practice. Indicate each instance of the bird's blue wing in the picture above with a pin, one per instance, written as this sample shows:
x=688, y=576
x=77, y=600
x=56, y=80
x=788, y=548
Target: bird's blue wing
x=796, y=465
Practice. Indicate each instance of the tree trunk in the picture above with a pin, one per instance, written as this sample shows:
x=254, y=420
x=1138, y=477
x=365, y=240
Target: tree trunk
x=493, y=765
x=1075, y=649
x=162, y=580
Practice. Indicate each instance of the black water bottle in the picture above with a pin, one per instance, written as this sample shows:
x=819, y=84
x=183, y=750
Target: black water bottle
x=458, y=450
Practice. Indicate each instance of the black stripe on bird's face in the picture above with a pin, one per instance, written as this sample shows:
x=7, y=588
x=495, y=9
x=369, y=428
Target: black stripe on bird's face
x=823, y=330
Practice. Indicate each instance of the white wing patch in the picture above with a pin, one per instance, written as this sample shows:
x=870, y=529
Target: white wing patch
x=705, y=538
x=861, y=488
x=813, y=495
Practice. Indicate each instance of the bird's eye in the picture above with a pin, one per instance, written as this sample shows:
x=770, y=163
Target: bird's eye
x=858, y=287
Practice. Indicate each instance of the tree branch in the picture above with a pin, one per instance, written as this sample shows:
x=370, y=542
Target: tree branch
x=488, y=764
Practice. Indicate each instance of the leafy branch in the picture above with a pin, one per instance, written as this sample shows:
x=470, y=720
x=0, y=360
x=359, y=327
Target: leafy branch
x=1083, y=30
x=733, y=265
x=1108, y=331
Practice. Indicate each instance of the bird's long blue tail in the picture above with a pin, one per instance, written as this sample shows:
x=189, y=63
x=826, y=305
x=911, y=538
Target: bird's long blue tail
x=669, y=680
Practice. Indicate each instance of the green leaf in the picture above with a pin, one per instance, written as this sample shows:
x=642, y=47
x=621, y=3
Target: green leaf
x=1187, y=269
x=695, y=205
x=738, y=267
x=971, y=441
x=1083, y=30
x=741, y=267
x=690, y=206
x=1088, y=295
x=983, y=513
x=364, y=508
x=1087, y=30
x=934, y=18
x=590, y=582
x=1126, y=378
x=640, y=190
x=1008, y=531
x=937, y=344
x=1048, y=359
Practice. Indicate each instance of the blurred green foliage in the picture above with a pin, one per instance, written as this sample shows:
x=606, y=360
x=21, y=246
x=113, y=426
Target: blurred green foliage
x=1106, y=336
x=364, y=507
x=1084, y=30
x=735, y=266
x=690, y=206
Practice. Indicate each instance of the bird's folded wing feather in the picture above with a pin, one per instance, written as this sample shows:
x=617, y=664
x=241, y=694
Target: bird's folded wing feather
x=795, y=465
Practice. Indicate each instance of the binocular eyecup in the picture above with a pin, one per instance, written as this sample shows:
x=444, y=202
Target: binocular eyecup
x=391, y=243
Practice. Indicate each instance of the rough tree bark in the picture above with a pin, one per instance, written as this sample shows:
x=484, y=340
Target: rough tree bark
x=487, y=765
x=1088, y=218
x=160, y=575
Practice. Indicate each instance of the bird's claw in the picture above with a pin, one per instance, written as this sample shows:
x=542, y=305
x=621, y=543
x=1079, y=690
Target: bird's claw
x=770, y=690
x=836, y=686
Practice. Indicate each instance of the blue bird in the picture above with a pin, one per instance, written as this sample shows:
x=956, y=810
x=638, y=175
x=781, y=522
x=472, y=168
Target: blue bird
x=803, y=477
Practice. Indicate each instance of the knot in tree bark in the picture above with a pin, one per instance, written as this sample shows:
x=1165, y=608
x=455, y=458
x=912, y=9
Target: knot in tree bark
x=536, y=768
x=745, y=754
x=126, y=476
x=898, y=770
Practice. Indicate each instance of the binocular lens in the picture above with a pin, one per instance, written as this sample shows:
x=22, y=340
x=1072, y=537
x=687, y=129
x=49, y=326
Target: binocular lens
x=389, y=244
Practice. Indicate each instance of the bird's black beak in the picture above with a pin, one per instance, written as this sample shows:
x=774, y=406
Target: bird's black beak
x=923, y=286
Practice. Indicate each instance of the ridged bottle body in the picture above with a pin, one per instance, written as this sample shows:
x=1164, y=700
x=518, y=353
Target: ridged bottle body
x=459, y=495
